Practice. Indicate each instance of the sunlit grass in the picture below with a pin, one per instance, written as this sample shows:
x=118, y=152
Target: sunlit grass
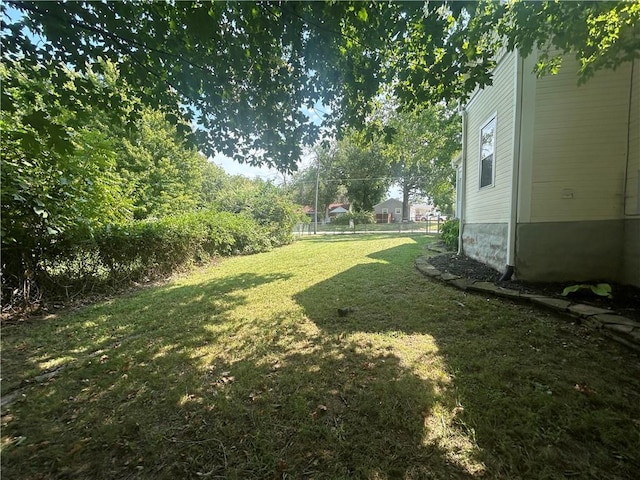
x=246, y=369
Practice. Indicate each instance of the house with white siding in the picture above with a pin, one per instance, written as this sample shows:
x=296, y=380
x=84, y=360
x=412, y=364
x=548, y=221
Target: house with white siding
x=549, y=175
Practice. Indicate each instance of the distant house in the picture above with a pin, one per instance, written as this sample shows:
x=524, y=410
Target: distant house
x=333, y=210
x=309, y=212
x=548, y=179
x=388, y=211
x=336, y=210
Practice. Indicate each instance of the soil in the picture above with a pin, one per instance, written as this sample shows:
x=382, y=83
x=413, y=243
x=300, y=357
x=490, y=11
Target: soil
x=625, y=299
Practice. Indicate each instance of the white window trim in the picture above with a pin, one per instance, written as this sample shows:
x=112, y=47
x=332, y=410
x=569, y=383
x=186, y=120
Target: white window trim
x=398, y=211
x=492, y=118
x=385, y=211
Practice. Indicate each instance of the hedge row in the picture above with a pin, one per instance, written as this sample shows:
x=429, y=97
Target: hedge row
x=152, y=248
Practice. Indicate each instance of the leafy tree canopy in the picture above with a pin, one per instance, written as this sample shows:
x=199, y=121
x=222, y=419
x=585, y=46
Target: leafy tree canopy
x=243, y=72
x=419, y=148
x=363, y=170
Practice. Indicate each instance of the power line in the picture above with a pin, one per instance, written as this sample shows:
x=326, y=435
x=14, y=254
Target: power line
x=345, y=179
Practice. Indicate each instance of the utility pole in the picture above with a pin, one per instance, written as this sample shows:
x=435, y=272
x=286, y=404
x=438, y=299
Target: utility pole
x=315, y=208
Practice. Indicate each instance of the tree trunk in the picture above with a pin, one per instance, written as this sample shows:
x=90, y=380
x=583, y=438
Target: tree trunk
x=405, y=203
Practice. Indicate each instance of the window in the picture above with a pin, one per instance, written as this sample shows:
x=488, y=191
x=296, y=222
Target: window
x=385, y=211
x=487, y=152
x=398, y=211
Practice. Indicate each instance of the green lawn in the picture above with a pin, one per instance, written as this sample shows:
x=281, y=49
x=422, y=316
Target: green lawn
x=246, y=370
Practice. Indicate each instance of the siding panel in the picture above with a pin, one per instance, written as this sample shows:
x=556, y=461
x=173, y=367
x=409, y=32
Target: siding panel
x=491, y=204
x=632, y=206
x=580, y=145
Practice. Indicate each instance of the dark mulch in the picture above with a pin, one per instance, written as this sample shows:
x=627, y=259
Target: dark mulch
x=625, y=298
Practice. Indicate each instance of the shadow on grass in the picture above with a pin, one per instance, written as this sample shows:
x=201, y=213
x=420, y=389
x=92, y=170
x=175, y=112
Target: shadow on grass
x=192, y=389
x=195, y=392
x=171, y=310
x=536, y=396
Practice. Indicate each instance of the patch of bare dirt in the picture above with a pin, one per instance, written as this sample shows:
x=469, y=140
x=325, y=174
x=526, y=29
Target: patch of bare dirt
x=625, y=298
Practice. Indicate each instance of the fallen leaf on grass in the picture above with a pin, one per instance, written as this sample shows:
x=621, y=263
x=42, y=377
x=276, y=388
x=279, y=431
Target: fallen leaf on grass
x=320, y=408
x=584, y=388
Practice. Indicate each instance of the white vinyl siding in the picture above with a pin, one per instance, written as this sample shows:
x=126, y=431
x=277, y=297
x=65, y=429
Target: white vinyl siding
x=491, y=204
x=632, y=206
x=580, y=145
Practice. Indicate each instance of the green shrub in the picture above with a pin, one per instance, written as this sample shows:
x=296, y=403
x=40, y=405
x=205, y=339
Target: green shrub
x=158, y=247
x=152, y=248
x=359, y=218
x=449, y=233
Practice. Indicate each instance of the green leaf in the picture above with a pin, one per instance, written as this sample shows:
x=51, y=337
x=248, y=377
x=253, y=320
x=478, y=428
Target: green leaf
x=571, y=289
x=41, y=212
x=602, y=289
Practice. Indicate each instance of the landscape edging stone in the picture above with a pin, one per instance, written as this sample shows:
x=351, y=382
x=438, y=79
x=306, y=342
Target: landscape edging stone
x=614, y=326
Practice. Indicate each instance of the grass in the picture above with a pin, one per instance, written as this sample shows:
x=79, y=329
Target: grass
x=246, y=370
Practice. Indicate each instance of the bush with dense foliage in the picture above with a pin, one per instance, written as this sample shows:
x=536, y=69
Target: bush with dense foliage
x=359, y=218
x=449, y=233
x=146, y=249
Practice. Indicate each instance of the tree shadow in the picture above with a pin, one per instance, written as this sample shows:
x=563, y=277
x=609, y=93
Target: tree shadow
x=110, y=324
x=416, y=381
x=220, y=397
x=517, y=375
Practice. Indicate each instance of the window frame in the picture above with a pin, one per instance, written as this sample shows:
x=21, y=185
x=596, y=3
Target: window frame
x=492, y=119
x=385, y=211
x=398, y=211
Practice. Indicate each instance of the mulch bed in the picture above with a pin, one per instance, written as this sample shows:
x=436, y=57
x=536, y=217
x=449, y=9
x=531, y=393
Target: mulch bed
x=625, y=298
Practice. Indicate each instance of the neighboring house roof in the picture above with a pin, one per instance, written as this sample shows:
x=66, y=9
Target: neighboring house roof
x=339, y=210
x=389, y=203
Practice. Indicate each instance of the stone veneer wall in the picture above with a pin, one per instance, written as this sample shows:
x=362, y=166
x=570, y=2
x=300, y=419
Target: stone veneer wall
x=487, y=243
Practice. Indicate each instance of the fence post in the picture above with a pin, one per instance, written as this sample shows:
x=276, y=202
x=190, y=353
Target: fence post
x=438, y=225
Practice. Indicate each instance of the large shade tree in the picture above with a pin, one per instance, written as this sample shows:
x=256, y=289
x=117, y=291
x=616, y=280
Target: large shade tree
x=362, y=169
x=420, y=146
x=243, y=72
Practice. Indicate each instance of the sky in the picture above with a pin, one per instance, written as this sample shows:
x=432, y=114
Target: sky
x=235, y=168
